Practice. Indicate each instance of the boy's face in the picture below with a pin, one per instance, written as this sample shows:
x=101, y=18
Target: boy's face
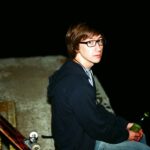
x=91, y=50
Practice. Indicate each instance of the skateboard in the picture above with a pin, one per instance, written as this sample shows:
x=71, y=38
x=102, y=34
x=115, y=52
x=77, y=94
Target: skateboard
x=20, y=142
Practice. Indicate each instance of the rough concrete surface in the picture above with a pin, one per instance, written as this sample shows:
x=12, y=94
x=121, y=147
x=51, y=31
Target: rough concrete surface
x=25, y=80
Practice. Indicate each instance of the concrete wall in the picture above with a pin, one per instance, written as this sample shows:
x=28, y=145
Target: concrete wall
x=25, y=80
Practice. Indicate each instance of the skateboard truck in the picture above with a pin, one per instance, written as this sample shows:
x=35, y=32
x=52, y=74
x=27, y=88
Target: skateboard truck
x=31, y=142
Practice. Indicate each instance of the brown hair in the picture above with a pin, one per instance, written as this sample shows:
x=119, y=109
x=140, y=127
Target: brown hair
x=77, y=33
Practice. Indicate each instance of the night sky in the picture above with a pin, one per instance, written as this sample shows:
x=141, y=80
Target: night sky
x=39, y=30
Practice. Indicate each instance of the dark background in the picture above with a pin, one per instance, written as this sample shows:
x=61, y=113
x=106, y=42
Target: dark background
x=39, y=29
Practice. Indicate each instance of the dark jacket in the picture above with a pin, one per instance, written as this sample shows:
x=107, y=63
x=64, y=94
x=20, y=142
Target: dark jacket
x=77, y=121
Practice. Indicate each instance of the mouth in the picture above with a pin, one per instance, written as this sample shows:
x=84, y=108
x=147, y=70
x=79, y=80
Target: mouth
x=98, y=56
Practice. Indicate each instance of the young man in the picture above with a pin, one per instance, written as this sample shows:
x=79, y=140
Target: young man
x=78, y=122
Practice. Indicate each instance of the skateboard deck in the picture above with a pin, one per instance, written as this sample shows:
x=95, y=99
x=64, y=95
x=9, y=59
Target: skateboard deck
x=12, y=134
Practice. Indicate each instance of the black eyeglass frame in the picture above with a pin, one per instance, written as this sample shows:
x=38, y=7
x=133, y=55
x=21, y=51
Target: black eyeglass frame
x=100, y=42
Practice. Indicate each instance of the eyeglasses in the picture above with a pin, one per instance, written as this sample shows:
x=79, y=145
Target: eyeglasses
x=92, y=43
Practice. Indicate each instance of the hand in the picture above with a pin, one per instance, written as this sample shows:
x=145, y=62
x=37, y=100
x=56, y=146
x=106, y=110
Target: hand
x=134, y=136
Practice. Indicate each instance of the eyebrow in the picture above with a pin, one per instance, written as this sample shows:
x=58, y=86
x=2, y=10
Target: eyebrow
x=93, y=39
x=99, y=37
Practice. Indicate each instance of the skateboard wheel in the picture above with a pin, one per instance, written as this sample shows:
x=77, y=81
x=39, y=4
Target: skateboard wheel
x=35, y=147
x=33, y=134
